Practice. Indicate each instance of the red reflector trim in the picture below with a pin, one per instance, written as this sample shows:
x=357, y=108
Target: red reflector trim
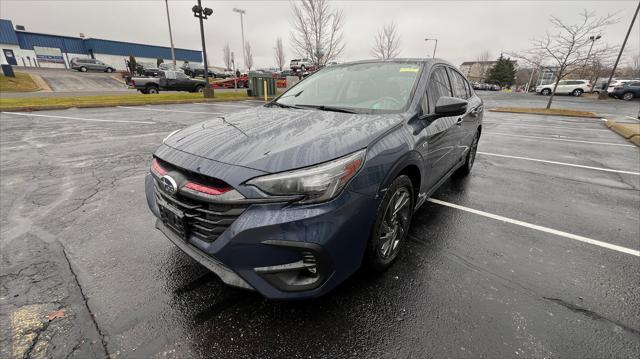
x=206, y=189
x=155, y=166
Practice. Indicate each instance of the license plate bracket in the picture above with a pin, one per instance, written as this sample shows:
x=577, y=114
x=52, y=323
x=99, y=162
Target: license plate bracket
x=174, y=219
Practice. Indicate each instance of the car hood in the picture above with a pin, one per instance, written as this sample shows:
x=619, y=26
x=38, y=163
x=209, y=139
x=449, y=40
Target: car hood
x=275, y=139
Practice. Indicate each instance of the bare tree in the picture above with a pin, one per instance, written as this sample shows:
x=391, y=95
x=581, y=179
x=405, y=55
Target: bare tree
x=226, y=56
x=483, y=63
x=278, y=53
x=568, y=49
x=248, y=56
x=387, y=44
x=317, y=31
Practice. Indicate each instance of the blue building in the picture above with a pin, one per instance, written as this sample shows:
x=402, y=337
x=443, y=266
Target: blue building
x=23, y=48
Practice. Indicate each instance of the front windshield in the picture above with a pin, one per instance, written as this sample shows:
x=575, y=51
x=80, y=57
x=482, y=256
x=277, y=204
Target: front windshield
x=384, y=86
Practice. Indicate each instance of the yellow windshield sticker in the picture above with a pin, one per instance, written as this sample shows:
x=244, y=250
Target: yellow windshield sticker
x=409, y=69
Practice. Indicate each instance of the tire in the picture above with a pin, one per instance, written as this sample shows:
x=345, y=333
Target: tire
x=109, y=70
x=83, y=69
x=546, y=92
x=199, y=88
x=152, y=90
x=628, y=96
x=577, y=92
x=390, y=230
x=465, y=170
x=144, y=91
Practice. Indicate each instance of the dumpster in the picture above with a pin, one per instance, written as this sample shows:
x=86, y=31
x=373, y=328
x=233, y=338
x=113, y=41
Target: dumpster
x=256, y=84
x=7, y=70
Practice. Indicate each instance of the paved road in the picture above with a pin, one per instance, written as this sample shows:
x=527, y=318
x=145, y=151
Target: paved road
x=530, y=256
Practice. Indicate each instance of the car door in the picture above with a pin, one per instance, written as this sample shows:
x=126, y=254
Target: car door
x=468, y=122
x=562, y=87
x=437, y=141
x=183, y=82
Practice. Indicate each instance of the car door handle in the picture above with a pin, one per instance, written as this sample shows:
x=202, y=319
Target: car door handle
x=459, y=122
x=476, y=111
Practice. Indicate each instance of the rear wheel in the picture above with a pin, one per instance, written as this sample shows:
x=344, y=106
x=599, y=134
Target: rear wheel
x=109, y=70
x=577, y=92
x=465, y=170
x=391, y=226
x=546, y=92
x=83, y=69
x=628, y=96
x=152, y=90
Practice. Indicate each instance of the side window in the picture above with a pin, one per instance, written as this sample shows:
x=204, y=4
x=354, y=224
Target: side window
x=635, y=84
x=562, y=83
x=438, y=86
x=459, y=85
x=180, y=75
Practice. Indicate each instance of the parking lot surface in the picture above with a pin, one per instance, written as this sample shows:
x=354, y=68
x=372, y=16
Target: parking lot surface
x=533, y=255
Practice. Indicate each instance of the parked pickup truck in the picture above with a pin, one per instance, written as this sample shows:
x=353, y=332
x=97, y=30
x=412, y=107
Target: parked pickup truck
x=166, y=81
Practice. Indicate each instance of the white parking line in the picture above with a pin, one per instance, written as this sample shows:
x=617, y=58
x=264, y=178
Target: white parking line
x=76, y=118
x=163, y=110
x=561, y=139
x=539, y=228
x=559, y=163
x=548, y=127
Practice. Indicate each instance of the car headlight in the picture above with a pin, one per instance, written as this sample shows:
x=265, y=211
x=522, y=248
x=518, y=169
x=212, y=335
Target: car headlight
x=317, y=183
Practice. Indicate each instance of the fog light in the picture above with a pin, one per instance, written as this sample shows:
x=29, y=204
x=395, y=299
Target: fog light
x=313, y=269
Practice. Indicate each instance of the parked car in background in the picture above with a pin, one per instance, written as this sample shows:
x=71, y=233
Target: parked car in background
x=300, y=64
x=166, y=81
x=84, y=65
x=291, y=198
x=614, y=84
x=567, y=87
x=147, y=69
x=627, y=90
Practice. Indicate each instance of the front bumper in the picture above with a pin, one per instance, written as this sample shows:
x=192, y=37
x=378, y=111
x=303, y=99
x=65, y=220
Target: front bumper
x=269, y=246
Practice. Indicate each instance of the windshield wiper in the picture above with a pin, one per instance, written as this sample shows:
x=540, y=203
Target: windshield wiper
x=330, y=108
x=276, y=103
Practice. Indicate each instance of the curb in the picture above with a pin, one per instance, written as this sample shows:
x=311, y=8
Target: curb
x=41, y=83
x=630, y=131
x=544, y=114
x=124, y=103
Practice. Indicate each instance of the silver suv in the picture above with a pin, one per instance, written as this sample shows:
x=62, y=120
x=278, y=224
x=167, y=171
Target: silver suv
x=84, y=65
x=300, y=64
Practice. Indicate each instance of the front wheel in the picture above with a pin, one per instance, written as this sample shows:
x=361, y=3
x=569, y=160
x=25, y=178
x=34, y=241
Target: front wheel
x=391, y=226
x=627, y=96
x=465, y=170
x=109, y=70
x=83, y=69
x=199, y=88
x=577, y=92
x=546, y=92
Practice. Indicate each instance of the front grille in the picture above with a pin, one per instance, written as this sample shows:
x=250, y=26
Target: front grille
x=206, y=221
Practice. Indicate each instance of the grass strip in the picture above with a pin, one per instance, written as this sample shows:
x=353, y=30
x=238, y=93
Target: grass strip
x=21, y=83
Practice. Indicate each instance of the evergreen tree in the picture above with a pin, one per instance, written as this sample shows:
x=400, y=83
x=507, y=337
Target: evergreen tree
x=503, y=73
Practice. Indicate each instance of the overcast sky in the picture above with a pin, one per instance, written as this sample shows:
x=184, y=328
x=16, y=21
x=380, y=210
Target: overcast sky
x=463, y=28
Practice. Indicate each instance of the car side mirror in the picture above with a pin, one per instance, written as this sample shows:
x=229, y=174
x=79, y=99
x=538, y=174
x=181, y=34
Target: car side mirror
x=450, y=106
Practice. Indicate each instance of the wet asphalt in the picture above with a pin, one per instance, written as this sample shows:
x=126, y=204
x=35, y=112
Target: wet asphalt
x=465, y=285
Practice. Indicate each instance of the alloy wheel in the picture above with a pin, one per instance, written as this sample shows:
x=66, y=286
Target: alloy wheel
x=395, y=223
x=628, y=96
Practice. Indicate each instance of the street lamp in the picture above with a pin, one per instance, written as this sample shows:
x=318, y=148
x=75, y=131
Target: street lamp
x=593, y=40
x=242, y=12
x=203, y=14
x=435, y=47
x=173, y=51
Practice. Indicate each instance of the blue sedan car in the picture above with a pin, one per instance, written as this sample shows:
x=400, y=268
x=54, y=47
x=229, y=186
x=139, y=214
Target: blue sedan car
x=291, y=198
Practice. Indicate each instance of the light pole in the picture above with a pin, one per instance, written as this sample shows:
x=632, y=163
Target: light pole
x=593, y=40
x=203, y=14
x=603, y=95
x=242, y=12
x=173, y=51
x=434, y=48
